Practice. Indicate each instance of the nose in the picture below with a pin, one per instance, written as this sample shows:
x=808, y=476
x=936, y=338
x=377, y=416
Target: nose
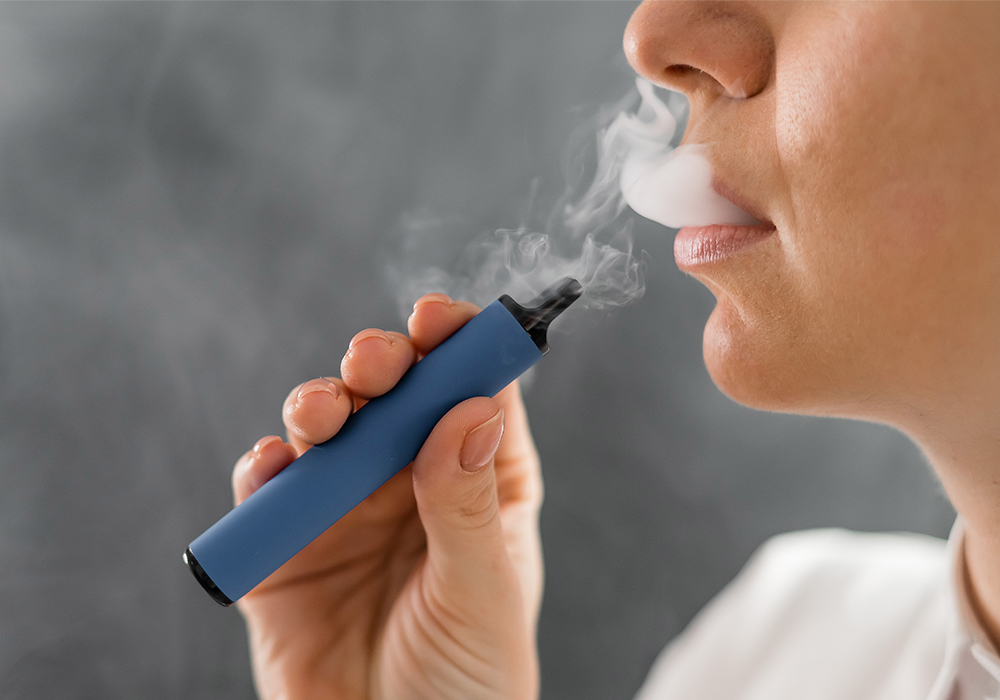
x=703, y=48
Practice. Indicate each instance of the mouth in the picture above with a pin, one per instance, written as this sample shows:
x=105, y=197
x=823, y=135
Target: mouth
x=699, y=247
x=737, y=200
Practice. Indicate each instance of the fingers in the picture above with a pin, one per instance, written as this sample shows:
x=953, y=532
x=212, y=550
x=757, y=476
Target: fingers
x=518, y=446
x=435, y=317
x=314, y=411
x=375, y=361
x=255, y=468
x=456, y=492
x=373, y=364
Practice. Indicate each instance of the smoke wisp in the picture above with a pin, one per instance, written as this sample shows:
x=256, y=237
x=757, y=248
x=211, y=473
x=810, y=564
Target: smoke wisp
x=670, y=185
x=588, y=234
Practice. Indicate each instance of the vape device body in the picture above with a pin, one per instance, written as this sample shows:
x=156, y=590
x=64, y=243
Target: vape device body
x=312, y=493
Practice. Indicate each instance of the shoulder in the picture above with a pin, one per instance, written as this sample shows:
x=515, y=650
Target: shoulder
x=831, y=572
x=831, y=601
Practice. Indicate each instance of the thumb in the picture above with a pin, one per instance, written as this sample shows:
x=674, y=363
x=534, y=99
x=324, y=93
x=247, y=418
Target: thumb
x=456, y=492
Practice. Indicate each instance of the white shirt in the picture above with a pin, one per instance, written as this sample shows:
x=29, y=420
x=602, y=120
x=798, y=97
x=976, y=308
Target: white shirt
x=836, y=615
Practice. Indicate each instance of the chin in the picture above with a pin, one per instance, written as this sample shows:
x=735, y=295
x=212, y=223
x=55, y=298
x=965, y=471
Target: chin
x=764, y=364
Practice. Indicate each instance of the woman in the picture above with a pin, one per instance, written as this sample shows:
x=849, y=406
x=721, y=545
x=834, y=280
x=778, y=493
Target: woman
x=864, y=137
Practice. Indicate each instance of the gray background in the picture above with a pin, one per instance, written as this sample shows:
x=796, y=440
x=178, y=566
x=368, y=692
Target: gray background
x=196, y=206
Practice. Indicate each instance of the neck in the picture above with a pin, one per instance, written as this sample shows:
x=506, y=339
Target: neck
x=966, y=457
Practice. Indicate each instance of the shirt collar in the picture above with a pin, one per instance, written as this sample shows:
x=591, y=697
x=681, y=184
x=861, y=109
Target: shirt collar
x=974, y=632
x=967, y=636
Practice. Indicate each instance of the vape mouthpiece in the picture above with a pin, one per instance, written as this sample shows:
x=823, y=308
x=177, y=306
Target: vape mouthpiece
x=541, y=311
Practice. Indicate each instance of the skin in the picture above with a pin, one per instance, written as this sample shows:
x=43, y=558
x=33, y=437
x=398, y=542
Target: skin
x=866, y=134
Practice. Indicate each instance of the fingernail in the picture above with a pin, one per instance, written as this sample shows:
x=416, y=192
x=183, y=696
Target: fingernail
x=481, y=443
x=433, y=298
x=370, y=333
x=262, y=443
x=315, y=386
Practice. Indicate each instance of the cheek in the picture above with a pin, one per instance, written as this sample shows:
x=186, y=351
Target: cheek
x=866, y=198
x=879, y=236
x=836, y=97
x=862, y=133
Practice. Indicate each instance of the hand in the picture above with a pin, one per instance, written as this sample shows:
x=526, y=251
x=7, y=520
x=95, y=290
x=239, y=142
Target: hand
x=430, y=588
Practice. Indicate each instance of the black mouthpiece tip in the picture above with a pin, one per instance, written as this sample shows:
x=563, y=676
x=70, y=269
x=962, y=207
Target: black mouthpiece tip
x=567, y=289
x=541, y=311
x=205, y=580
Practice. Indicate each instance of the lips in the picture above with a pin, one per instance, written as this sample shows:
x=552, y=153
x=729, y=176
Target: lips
x=734, y=197
x=697, y=247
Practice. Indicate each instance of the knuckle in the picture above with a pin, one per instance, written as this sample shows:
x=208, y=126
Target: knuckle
x=479, y=509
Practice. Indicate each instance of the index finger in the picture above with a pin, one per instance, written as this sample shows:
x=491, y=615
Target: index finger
x=435, y=317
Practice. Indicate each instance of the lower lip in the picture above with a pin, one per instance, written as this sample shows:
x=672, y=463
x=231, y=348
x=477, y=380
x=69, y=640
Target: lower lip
x=701, y=246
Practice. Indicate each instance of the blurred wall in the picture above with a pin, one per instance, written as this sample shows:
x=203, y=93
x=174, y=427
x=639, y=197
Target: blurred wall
x=196, y=206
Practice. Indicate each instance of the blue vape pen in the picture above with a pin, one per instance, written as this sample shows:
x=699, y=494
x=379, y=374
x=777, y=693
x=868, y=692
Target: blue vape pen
x=316, y=490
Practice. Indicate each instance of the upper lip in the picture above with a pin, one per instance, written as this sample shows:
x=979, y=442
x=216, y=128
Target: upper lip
x=723, y=189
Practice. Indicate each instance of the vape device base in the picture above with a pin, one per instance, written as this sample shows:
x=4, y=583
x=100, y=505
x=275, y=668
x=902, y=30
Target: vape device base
x=205, y=580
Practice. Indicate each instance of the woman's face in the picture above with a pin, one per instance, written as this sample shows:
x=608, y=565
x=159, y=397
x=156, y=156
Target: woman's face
x=869, y=135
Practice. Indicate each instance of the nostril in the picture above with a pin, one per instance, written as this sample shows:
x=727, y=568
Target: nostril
x=689, y=79
x=681, y=70
x=686, y=78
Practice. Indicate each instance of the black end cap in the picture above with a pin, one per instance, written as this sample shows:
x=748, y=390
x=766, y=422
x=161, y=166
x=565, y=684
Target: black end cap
x=205, y=580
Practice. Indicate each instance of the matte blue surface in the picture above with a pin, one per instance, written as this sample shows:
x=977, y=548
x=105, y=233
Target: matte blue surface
x=320, y=487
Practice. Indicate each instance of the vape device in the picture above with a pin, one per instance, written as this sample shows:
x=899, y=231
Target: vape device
x=316, y=490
